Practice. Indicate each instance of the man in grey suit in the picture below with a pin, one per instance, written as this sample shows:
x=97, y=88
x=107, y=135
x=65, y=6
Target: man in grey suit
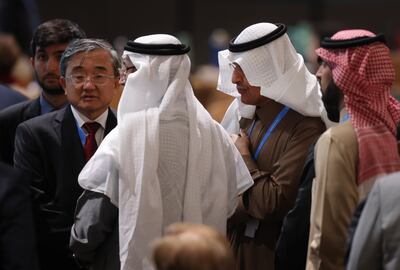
x=48, y=43
x=376, y=240
x=53, y=148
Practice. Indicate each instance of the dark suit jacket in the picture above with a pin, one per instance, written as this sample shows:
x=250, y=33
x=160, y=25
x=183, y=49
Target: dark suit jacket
x=95, y=234
x=10, y=118
x=291, y=249
x=49, y=150
x=17, y=246
x=9, y=97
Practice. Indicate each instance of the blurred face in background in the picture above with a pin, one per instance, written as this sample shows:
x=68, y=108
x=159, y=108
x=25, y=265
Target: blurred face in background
x=46, y=63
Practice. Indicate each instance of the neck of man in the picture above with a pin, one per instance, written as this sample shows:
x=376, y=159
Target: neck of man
x=57, y=101
x=264, y=101
x=342, y=109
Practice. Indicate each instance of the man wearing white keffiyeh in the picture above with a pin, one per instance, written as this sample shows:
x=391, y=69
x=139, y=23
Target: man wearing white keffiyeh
x=167, y=161
x=280, y=107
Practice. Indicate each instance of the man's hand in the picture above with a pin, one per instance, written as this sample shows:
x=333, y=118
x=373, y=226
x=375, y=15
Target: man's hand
x=242, y=143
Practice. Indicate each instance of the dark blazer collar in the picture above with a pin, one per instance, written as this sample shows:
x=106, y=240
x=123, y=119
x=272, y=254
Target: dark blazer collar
x=33, y=109
x=62, y=113
x=72, y=156
x=65, y=115
x=111, y=122
x=71, y=145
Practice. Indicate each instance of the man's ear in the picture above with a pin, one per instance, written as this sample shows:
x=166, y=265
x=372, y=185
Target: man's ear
x=117, y=85
x=63, y=83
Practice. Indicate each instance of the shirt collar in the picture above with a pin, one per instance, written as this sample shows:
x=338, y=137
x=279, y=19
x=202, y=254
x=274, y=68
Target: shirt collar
x=45, y=106
x=344, y=115
x=81, y=119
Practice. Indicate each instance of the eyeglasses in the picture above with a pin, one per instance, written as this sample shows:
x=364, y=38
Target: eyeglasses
x=233, y=65
x=97, y=79
x=124, y=72
x=127, y=70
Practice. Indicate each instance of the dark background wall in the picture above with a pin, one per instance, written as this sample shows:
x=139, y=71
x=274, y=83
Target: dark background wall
x=111, y=18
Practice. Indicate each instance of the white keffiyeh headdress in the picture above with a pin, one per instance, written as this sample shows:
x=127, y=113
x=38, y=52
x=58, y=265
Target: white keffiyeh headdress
x=125, y=167
x=269, y=60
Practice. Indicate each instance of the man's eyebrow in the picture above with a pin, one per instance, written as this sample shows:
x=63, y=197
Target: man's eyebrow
x=77, y=68
x=101, y=68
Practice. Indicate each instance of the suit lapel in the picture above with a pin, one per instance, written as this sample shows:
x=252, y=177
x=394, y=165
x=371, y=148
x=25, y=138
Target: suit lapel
x=111, y=122
x=72, y=157
x=32, y=110
x=70, y=140
x=72, y=160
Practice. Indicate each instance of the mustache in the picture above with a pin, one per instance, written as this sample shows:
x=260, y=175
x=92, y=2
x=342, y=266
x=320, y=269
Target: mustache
x=88, y=96
x=51, y=76
x=240, y=88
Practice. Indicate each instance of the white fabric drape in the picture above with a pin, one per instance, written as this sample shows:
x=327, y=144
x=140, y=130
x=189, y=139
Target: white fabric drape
x=138, y=164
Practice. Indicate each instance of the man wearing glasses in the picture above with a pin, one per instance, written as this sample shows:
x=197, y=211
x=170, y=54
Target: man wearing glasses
x=53, y=148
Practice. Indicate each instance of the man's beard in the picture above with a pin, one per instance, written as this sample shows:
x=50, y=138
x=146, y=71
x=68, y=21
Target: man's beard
x=331, y=100
x=52, y=91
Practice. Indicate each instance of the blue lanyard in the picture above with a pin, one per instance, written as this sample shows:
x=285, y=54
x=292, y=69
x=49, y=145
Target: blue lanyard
x=82, y=135
x=277, y=120
x=345, y=118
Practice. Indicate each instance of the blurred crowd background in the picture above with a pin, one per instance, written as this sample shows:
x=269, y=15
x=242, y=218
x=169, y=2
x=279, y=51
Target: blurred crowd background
x=206, y=25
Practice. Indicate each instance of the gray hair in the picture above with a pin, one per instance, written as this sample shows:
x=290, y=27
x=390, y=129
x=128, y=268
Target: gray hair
x=86, y=45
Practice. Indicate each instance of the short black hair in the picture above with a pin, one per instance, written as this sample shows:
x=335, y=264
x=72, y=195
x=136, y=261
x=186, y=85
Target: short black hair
x=54, y=32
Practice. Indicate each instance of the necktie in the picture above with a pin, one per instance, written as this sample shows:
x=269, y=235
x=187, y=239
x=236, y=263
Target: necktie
x=90, y=145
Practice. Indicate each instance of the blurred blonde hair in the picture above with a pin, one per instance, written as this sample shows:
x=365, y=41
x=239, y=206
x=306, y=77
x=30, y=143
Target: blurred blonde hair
x=192, y=247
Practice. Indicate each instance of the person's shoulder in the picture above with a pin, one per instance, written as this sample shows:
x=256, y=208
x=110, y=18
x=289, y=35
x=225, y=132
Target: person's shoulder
x=342, y=135
x=6, y=90
x=385, y=196
x=389, y=185
x=306, y=125
x=44, y=119
x=301, y=120
x=43, y=122
x=312, y=122
x=15, y=111
x=10, y=92
x=344, y=132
